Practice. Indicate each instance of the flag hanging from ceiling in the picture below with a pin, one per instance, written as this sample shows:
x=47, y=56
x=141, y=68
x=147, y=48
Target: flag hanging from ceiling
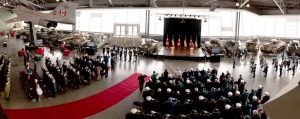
x=196, y=42
x=185, y=44
x=191, y=42
x=167, y=41
x=173, y=43
x=178, y=42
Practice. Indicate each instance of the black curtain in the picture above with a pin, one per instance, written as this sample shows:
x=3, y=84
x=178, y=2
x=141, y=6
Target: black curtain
x=183, y=28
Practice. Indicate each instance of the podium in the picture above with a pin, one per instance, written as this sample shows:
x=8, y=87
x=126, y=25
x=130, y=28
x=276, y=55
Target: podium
x=172, y=50
x=191, y=51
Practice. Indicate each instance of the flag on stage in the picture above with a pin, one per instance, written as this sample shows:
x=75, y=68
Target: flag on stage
x=191, y=42
x=178, y=42
x=167, y=41
x=173, y=43
x=185, y=44
x=196, y=42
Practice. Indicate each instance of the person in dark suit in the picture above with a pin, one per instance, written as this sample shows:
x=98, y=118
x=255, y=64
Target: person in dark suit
x=265, y=98
x=141, y=79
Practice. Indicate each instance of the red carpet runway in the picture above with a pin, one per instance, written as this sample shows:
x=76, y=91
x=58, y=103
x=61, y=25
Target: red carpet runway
x=81, y=108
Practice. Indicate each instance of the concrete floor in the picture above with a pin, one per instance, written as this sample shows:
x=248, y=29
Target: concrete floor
x=273, y=83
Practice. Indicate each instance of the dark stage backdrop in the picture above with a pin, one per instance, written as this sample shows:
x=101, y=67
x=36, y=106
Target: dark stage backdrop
x=175, y=27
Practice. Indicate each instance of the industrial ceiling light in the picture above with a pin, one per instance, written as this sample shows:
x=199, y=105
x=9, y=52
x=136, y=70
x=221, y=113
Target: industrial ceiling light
x=248, y=5
x=159, y=18
x=237, y=4
x=205, y=20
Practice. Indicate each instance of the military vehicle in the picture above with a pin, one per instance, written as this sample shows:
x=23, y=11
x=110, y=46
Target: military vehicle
x=231, y=47
x=273, y=46
x=293, y=48
x=214, y=46
x=151, y=45
x=252, y=45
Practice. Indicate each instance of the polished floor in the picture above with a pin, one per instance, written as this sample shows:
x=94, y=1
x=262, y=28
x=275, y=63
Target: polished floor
x=18, y=100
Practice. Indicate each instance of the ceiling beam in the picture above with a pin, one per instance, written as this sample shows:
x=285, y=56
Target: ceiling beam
x=280, y=4
x=294, y=4
x=244, y=3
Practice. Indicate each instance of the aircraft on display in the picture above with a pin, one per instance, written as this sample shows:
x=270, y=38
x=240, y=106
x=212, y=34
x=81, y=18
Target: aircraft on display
x=63, y=13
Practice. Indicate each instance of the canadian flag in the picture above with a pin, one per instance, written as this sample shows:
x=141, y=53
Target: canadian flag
x=167, y=41
x=178, y=42
x=63, y=12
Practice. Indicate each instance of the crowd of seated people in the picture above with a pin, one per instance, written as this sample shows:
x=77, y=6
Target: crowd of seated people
x=199, y=94
x=5, y=64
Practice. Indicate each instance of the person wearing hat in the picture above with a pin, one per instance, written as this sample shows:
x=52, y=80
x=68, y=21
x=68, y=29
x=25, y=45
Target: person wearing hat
x=134, y=114
x=255, y=115
x=259, y=92
x=237, y=111
x=166, y=74
x=255, y=102
x=227, y=112
x=265, y=98
x=141, y=79
x=154, y=76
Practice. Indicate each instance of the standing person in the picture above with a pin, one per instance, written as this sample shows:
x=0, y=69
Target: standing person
x=112, y=63
x=103, y=50
x=276, y=65
x=253, y=70
x=34, y=65
x=234, y=61
x=280, y=70
x=266, y=70
x=135, y=54
x=28, y=56
x=293, y=69
x=245, y=52
x=130, y=54
x=121, y=52
x=108, y=49
x=125, y=54
x=25, y=59
x=57, y=62
x=141, y=79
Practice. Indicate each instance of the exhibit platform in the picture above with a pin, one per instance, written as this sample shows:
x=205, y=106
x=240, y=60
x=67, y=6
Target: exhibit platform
x=196, y=54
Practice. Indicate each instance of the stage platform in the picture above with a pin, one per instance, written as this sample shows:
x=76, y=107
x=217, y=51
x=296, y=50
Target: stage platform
x=181, y=54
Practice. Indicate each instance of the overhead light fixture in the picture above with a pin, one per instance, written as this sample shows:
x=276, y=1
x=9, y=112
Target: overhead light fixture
x=159, y=18
x=237, y=4
x=248, y=5
x=205, y=20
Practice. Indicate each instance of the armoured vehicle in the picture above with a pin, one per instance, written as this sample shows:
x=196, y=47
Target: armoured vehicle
x=273, y=46
x=293, y=47
x=150, y=45
x=252, y=45
x=231, y=46
x=214, y=46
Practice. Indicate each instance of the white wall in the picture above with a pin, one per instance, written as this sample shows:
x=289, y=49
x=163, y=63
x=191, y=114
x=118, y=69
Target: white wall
x=221, y=22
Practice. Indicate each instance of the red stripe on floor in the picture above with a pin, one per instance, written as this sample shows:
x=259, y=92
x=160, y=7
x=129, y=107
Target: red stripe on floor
x=81, y=108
